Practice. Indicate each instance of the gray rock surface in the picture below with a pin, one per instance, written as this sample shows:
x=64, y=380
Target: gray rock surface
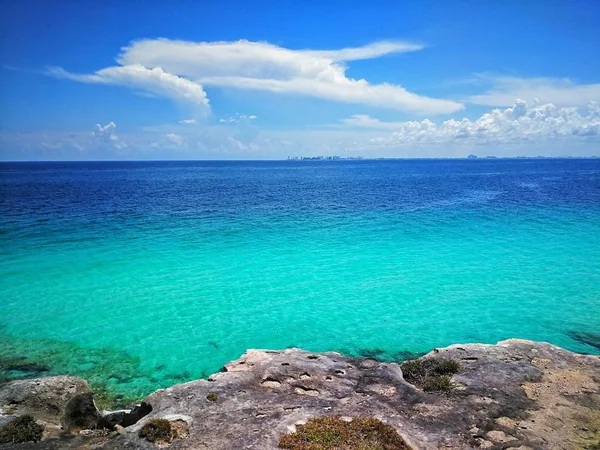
x=50, y=400
x=513, y=395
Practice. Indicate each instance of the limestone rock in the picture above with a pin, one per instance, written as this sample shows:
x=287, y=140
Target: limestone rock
x=499, y=436
x=516, y=394
x=264, y=394
x=48, y=400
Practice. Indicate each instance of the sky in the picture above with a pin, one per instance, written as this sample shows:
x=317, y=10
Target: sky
x=153, y=80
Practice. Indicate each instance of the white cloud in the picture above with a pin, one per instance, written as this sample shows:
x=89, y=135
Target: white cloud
x=106, y=135
x=107, y=131
x=560, y=92
x=369, y=51
x=155, y=80
x=188, y=121
x=520, y=123
x=236, y=144
x=343, y=90
x=238, y=118
x=365, y=121
x=523, y=129
x=151, y=64
x=249, y=59
x=175, y=139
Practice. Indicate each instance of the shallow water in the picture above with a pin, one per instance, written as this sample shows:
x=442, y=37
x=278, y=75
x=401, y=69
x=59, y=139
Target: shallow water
x=140, y=275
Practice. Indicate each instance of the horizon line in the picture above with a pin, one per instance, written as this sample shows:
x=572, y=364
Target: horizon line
x=308, y=159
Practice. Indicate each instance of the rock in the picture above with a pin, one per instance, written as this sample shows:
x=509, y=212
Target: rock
x=46, y=399
x=112, y=419
x=499, y=436
x=482, y=443
x=81, y=413
x=506, y=422
x=136, y=414
x=125, y=418
x=265, y=394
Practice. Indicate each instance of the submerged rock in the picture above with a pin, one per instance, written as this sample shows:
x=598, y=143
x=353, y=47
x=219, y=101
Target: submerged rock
x=516, y=394
x=20, y=365
x=591, y=339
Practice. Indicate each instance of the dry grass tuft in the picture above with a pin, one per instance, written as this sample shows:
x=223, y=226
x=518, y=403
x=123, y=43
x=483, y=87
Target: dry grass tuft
x=431, y=374
x=332, y=433
x=22, y=429
x=157, y=430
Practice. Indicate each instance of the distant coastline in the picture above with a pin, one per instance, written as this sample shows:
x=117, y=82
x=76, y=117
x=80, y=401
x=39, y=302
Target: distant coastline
x=360, y=158
x=299, y=158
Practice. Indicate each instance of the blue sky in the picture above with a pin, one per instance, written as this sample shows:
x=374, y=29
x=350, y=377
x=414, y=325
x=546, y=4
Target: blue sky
x=256, y=80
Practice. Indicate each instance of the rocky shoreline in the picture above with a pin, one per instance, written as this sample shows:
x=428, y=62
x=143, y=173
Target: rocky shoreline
x=513, y=395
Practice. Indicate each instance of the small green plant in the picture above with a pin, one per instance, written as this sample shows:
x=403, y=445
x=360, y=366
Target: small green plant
x=440, y=383
x=431, y=374
x=413, y=370
x=157, y=430
x=333, y=433
x=22, y=429
x=212, y=397
x=446, y=367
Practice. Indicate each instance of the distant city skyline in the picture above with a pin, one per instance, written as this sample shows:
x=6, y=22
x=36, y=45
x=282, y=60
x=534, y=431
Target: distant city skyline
x=190, y=80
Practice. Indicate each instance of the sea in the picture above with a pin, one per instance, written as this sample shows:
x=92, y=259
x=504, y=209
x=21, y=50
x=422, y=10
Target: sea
x=139, y=275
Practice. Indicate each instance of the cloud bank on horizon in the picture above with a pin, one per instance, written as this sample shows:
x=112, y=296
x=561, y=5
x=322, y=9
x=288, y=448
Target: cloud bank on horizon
x=520, y=122
x=512, y=130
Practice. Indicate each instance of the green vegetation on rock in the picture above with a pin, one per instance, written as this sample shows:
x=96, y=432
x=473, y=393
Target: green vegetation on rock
x=332, y=433
x=441, y=383
x=22, y=429
x=157, y=430
x=430, y=374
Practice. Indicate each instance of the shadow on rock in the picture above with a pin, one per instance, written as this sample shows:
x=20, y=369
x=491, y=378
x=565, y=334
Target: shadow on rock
x=125, y=418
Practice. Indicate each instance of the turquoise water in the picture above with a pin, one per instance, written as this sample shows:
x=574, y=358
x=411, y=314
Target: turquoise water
x=141, y=275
